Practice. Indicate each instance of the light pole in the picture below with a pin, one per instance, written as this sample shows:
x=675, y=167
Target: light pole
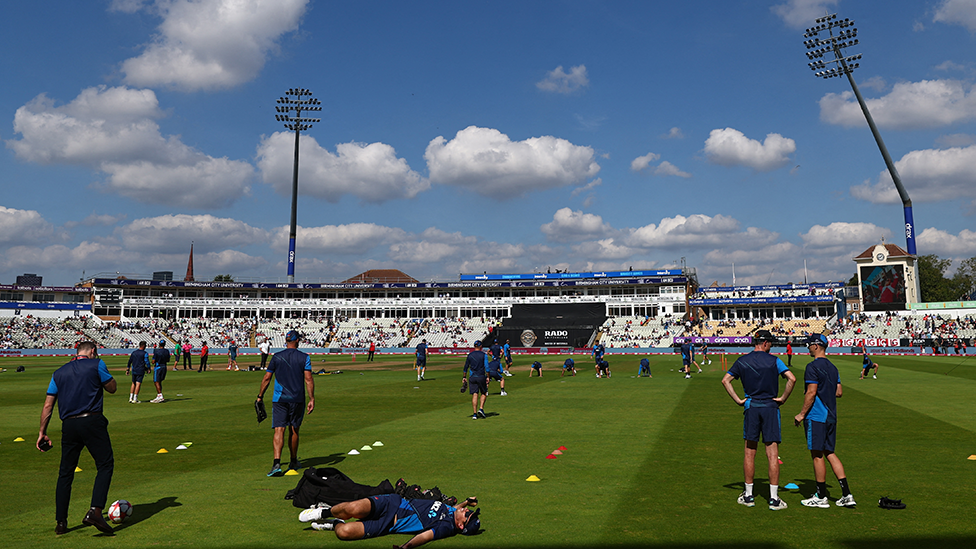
x=287, y=105
x=847, y=36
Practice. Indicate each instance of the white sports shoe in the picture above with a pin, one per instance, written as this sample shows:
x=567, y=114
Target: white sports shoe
x=846, y=501
x=777, y=505
x=504, y=393
x=875, y=376
x=687, y=376
x=816, y=501
x=313, y=514
x=328, y=524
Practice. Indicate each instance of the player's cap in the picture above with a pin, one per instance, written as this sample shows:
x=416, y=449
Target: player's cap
x=817, y=339
x=293, y=336
x=162, y=342
x=472, y=524
x=477, y=343
x=763, y=335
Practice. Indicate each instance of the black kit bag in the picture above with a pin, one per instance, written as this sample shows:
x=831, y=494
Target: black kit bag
x=332, y=486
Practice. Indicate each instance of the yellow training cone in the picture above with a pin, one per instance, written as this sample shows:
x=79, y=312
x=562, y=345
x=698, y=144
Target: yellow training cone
x=377, y=443
x=163, y=451
x=19, y=439
x=972, y=457
x=77, y=469
x=291, y=473
x=533, y=478
x=367, y=447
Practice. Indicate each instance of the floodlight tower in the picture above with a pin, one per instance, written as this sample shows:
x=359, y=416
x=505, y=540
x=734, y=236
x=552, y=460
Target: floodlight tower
x=847, y=36
x=287, y=105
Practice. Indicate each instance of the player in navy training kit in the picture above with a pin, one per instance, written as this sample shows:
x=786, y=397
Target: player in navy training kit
x=568, y=366
x=477, y=362
x=507, y=351
x=645, y=366
x=292, y=372
x=819, y=419
x=603, y=369
x=495, y=372
x=598, y=351
x=138, y=365
x=688, y=357
x=161, y=358
x=77, y=388
x=536, y=367
x=421, y=366
x=759, y=372
x=387, y=514
x=867, y=364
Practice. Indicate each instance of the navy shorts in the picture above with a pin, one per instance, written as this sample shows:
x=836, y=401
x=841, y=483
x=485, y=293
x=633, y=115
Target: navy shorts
x=137, y=378
x=820, y=436
x=478, y=386
x=421, y=362
x=497, y=376
x=762, y=420
x=385, y=509
x=159, y=374
x=287, y=414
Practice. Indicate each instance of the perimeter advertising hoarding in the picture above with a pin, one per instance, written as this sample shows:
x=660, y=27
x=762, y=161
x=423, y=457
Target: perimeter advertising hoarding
x=883, y=287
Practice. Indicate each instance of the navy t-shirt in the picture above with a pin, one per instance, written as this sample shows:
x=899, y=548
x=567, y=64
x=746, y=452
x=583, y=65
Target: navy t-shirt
x=569, y=364
x=138, y=362
x=477, y=362
x=289, y=367
x=496, y=351
x=598, y=350
x=161, y=357
x=759, y=372
x=823, y=372
x=78, y=386
x=415, y=516
x=422, y=350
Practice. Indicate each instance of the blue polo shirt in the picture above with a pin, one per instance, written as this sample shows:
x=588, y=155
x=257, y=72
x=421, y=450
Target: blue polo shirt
x=477, y=362
x=161, y=357
x=78, y=386
x=823, y=372
x=598, y=351
x=289, y=367
x=569, y=364
x=138, y=362
x=759, y=373
x=422, y=350
x=496, y=351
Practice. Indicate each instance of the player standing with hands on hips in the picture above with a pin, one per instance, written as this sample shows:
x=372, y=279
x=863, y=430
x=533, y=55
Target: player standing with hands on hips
x=759, y=372
x=291, y=369
x=78, y=388
x=819, y=419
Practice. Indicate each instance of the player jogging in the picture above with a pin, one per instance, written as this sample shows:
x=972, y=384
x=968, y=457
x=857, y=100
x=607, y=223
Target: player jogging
x=421, y=353
x=138, y=364
x=598, y=352
x=507, y=352
x=687, y=357
x=161, y=358
x=704, y=354
x=477, y=362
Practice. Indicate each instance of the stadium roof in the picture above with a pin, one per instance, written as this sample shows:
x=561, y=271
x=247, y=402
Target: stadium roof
x=381, y=276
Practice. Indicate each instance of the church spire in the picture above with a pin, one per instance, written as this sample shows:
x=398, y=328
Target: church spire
x=189, y=267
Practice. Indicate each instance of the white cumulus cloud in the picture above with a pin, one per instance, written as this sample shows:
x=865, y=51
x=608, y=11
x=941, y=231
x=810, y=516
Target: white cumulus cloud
x=697, y=231
x=114, y=130
x=23, y=227
x=730, y=147
x=642, y=162
x=929, y=175
x=489, y=163
x=844, y=234
x=909, y=105
x=352, y=238
x=559, y=81
x=958, y=12
x=210, y=44
x=944, y=243
x=371, y=172
x=801, y=14
x=569, y=225
x=173, y=233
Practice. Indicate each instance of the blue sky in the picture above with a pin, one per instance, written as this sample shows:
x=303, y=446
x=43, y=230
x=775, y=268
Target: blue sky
x=478, y=136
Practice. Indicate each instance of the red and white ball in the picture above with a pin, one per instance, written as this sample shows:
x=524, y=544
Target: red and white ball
x=119, y=511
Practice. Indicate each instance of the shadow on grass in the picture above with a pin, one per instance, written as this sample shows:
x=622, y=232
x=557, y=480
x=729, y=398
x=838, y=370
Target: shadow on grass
x=144, y=511
x=323, y=460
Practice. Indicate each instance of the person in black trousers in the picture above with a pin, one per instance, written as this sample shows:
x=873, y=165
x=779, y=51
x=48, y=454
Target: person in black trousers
x=77, y=387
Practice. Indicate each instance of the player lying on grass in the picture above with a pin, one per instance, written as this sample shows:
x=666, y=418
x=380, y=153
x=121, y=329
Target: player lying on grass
x=390, y=514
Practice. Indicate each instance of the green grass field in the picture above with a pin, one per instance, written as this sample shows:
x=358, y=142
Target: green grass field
x=648, y=462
